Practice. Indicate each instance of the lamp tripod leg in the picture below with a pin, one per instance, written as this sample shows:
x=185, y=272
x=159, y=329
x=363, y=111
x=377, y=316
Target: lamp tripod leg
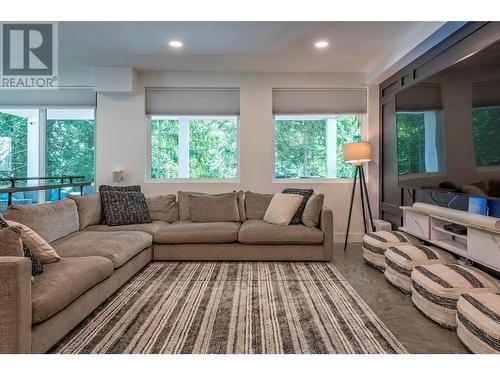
x=350, y=208
x=362, y=197
x=367, y=199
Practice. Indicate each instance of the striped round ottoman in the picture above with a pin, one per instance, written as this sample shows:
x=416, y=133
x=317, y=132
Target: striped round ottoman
x=375, y=244
x=400, y=261
x=478, y=322
x=435, y=289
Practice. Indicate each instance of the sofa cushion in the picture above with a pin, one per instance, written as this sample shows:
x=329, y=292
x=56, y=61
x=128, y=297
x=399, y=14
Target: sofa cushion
x=306, y=194
x=184, y=232
x=102, y=188
x=65, y=281
x=125, y=207
x=241, y=205
x=150, y=228
x=163, y=207
x=51, y=221
x=256, y=204
x=11, y=244
x=36, y=244
x=312, y=211
x=217, y=207
x=89, y=209
x=118, y=247
x=184, y=204
x=282, y=208
x=259, y=232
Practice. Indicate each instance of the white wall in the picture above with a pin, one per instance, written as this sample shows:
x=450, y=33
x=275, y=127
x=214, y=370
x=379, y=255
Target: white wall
x=121, y=136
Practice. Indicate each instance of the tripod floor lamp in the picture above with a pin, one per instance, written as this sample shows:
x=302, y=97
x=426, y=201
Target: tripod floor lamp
x=358, y=153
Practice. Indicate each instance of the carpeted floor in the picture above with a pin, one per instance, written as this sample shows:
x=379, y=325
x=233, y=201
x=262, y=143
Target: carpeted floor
x=233, y=307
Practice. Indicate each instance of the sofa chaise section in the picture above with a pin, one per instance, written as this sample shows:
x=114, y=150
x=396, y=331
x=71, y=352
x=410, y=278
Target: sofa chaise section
x=63, y=282
x=35, y=315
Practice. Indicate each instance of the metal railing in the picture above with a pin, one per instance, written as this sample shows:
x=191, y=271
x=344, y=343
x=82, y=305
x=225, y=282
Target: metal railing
x=64, y=182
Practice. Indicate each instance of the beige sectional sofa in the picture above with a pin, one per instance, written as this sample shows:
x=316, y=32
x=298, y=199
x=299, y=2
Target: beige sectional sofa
x=98, y=259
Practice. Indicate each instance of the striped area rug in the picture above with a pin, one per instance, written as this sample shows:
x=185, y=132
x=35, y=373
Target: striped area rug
x=233, y=307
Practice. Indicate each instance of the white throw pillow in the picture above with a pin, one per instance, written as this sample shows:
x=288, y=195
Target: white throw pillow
x=282, y=208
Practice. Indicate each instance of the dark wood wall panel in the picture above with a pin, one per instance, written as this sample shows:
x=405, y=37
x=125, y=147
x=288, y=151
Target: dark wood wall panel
x=471, y=38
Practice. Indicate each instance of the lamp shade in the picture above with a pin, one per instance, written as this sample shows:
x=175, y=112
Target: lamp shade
x=357, y=152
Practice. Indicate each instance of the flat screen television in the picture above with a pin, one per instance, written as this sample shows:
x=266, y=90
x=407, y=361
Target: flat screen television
x=448, y=128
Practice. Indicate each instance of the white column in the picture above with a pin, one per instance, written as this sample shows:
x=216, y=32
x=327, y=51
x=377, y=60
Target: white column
x=183, y=147
x=331, y=148
x=33, y=148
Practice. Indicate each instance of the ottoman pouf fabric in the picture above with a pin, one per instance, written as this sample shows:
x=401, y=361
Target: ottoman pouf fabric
x=435, y=289
x=375, y=244
x=478, y=322
x=400, y=261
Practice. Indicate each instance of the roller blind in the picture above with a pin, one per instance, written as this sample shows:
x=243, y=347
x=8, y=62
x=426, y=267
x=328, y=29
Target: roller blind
x=486, y=94
x=48, y=98
x=318, y=101
x=423, y=97
x=192, y=101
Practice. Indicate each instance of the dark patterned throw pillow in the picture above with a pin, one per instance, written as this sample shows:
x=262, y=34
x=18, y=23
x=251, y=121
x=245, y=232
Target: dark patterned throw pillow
x=124, y=208
x=36, y=266
x=102, y=188
x=306, y=194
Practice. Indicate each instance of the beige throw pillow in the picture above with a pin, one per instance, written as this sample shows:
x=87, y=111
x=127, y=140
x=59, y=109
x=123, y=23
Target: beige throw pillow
x=11, y=244
x=282, y=208
x=217, y=207
x=312, y=211
x=163, y=207
x=37, y=245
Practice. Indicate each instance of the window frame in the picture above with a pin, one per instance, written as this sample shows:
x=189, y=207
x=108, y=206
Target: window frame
x=313, y=180
x=42, y=137
x=183, y=180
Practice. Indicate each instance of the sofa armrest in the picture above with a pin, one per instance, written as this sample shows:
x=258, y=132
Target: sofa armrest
x=326, y=226
x=15, y=305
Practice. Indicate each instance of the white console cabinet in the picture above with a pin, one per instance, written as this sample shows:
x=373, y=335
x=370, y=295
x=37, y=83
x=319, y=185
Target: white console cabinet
x=480, y=244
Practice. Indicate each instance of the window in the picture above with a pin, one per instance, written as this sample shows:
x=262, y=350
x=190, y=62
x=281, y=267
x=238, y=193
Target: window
x=46, y=142
x=195, y=147
x=311, y=146
x=70, y=143
x=419, y=142
x=486, y=133
x=17, y=155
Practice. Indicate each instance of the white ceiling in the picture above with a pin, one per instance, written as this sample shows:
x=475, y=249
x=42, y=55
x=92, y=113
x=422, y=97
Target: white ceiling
x=232, y=46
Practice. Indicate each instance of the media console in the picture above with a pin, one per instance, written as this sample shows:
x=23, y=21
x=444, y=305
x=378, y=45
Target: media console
x=481, y=243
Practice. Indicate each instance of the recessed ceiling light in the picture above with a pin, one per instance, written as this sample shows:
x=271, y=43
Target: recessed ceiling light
x=175, y=44
x=321, y=44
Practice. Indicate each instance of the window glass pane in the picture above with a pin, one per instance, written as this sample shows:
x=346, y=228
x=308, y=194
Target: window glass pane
x=70, y=137
x=14, y=124
x=164, y=148
x=348, y=130
x=486, y=133
x=311, y=147
x=194, y=147
x=419, y=142
x=213, y=148
x=18, y=153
